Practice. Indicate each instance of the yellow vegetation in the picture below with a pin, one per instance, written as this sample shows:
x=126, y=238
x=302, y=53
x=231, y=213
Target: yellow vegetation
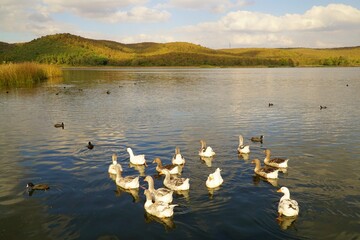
x=26, y=74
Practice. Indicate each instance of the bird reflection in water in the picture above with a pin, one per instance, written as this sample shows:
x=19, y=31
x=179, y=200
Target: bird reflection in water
x=184, y=193
x=286, y=222
x=133, y=192
x=212, y=191
x=207, y=160
x=257, y=179
x=168, y=223
x=244, y=156
x=139, y=168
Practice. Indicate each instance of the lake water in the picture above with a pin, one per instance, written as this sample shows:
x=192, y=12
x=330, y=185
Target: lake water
x=153, y=110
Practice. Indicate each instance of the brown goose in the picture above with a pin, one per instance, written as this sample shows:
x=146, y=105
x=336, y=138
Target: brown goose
x=275, y=162
x=173, y=169
x=265, y=172
x=32, y=186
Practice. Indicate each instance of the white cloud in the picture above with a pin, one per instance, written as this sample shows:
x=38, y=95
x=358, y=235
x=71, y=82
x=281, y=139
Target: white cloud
x=147, y=38
x=209, y=5
x=111, y=11
x=246, y=28
x=138, y=14
x=317, y=18
x=14, y=17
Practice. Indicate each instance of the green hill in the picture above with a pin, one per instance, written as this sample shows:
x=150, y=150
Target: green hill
x=67, y=49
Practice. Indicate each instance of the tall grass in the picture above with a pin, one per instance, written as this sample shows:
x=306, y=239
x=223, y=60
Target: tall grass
x=26, y=74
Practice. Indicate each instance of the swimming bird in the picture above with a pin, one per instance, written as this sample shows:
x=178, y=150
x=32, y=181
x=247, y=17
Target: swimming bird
x=160, y=194
x=323, y=107
x=175, y=183
x=214, y=179
x=265, y=172
x=173, y=169
x=158, y=209
x=136, y=159
x=275, y=162
x=128, y=182
x=112, y=166
x=287, y=206
x=205, y=151
x=271, y=104
x=31, y=187
x=59, y=125
x=257, y=139
x=178, y=158
x=243, y=148
x=90, y=145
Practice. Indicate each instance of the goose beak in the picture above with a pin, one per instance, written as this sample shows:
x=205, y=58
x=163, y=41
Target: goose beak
x=279, y=190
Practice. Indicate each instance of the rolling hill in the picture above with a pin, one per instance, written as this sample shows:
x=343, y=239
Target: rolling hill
x=71, y=50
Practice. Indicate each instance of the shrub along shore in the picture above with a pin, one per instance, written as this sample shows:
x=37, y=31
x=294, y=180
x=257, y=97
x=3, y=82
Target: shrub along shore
x=26, y=74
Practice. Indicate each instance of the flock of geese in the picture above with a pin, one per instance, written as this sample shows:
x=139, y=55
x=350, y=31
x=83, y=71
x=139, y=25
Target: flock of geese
x=159, y=201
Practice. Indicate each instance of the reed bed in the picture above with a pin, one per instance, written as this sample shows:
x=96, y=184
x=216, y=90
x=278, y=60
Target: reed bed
x=26, y=74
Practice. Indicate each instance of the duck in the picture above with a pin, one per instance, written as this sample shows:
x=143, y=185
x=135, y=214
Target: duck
x=271, y=104
x=173, y=169
x=323, y=107
x=136, y=159
x=287, y=206
x=128, y=182
x=112, y=166
x=176, y=184
x=31, y=187
x=90, y=145
x=205, y=151
x=160, y=194
x=271, y=173
x=214, y=180
x=275, y=162
x=257, y=139
x=158, y=209
x=59, y=125
x=243, y=148
x=178, y=159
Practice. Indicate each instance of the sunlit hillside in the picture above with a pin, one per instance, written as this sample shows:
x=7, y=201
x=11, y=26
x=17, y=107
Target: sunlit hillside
x=71, y=50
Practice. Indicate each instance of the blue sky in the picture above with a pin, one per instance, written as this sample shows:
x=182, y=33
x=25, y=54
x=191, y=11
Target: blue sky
x=210, y=23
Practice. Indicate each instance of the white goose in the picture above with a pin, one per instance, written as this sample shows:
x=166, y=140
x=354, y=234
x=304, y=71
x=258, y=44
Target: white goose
x=275, y=162
x=214, y=179
x=271, y=173
x=178, y=159
x=243, y=148
x=160, y=194
x=205, y=151
x=176, y=184
x=136, y=159
x=158, y=209
x=112, y=167
x=128, y=182
x=173, y=169
x=287, y=206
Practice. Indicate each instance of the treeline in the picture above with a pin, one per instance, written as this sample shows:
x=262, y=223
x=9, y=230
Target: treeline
x=193, y=59
x=70, y=50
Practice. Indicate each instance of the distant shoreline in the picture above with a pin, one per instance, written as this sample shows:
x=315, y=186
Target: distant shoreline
x=70, y=50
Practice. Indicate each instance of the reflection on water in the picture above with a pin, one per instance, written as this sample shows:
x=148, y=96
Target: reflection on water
x=257, y=179
x=207, y=160
x=167, y=222
x=155, y=109
x=286, y=222
x=133, y=192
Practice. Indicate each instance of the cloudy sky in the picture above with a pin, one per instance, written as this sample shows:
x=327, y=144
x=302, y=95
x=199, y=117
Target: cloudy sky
x=210, y=23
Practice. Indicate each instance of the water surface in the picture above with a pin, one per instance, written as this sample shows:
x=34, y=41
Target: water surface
x=153, y=110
